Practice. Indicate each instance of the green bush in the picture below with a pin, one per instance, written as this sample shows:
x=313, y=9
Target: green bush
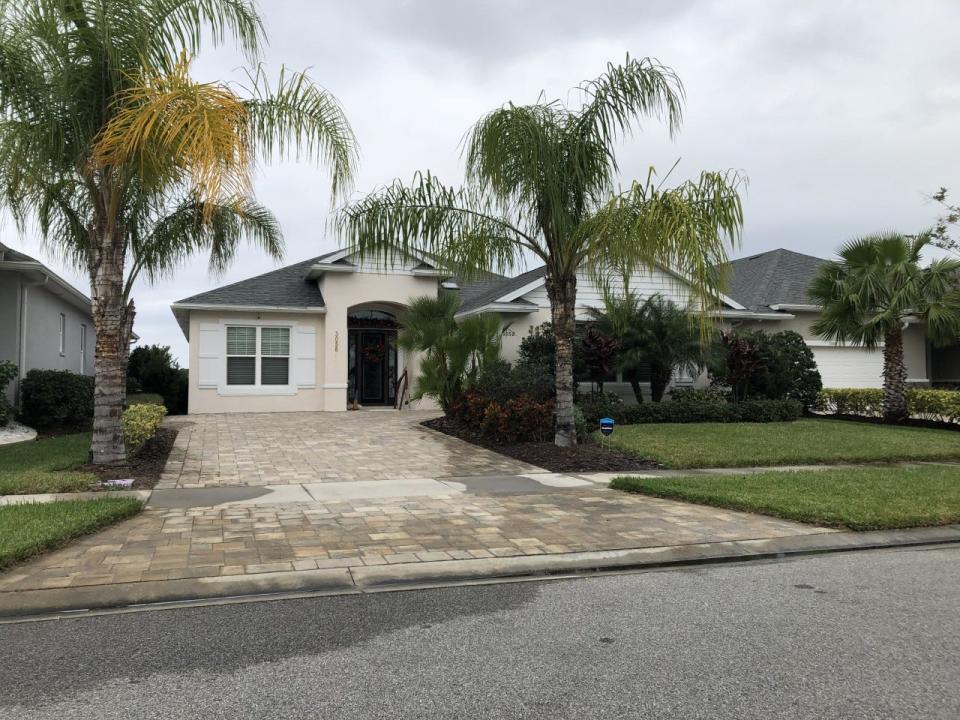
x=145, y=399
x=140, y=423
x=923, y=403
x=56, y=399
x=8, y=371
x=693, y=411
x=152, y=370
x=499, y=380
x=756, y=364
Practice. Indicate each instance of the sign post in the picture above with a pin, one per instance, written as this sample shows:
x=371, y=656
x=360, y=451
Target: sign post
x=606, y=428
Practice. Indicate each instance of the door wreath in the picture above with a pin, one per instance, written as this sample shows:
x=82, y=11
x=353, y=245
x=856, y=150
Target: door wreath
x=373, y=353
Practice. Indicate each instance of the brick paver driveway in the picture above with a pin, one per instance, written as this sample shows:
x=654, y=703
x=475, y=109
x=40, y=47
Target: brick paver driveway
x=308, y=447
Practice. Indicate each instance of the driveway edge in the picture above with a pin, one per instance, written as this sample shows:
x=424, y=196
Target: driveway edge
x=381, y=578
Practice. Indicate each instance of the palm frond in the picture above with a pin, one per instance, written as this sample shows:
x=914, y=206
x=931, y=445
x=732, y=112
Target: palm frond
x=296, y=118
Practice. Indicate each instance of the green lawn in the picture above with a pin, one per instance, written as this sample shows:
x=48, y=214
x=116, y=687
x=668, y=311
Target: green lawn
x=807, y=441
x=45, y=465
x=27, y=530
x=857, y=498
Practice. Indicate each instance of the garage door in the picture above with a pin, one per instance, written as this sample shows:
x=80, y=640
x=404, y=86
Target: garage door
x=849, y=367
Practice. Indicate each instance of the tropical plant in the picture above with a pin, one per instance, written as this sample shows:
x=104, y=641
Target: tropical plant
x=656, y=336
x=737, y=363
x=599, y=355
x=129, y=165
x=878, y=286
x=454, y=353
x=541, y=181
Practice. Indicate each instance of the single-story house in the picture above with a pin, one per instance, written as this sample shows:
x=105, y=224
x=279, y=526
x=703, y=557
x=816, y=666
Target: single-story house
x=45, y=322
x=316, y=334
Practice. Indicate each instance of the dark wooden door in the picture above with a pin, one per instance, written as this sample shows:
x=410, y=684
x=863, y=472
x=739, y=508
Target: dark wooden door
x=373, y=367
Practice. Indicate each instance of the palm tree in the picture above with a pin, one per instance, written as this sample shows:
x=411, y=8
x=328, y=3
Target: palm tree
x=453, y=353
x=656, y=335
x=878, y=286
x=540, y=181
x=128, y=165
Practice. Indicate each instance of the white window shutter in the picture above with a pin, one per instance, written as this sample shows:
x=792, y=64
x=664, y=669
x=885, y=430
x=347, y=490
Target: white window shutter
x=305, y=356
x=211, y=362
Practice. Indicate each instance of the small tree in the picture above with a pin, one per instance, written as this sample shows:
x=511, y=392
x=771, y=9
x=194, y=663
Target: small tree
x=874, y=289
x=152, y=369
x=945, y=223
x=599, y=355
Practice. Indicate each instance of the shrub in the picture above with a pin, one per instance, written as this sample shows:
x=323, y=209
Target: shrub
x=145, y=399
x=140, y=423
x=56, y=399
x=500, y=381
x=770, y=365
x=521, y=419
x=599, y=405
x=692, y=411
x=8, y=371
x=924, y=403
x=692, y=394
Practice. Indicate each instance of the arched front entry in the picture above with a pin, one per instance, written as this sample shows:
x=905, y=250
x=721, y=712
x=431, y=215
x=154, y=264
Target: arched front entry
x=372, y=357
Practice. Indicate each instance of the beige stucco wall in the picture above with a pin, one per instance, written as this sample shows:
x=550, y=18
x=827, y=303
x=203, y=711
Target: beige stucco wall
x=210, y=399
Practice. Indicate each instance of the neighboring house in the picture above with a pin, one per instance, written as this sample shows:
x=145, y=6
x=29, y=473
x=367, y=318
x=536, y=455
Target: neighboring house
x=45, y=322
x=774, y=286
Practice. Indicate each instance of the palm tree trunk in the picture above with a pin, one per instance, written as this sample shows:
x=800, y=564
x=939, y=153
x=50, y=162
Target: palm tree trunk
x=113, y=325
x=563, y=298
x=894, y=377
x=659, y=379
x=634, y=381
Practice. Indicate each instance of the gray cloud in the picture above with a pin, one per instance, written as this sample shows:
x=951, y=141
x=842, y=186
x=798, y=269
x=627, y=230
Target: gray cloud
x=844, y=114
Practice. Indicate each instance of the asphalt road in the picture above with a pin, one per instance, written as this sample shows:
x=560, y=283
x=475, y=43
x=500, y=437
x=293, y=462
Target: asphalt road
x=861, y=635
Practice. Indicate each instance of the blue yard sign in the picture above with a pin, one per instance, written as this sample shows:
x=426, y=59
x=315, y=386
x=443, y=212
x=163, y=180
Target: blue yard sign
x=606, y=426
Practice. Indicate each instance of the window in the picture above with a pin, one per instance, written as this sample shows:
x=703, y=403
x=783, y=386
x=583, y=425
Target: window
x=63, y=334
x=83, y=348
x=248, y=366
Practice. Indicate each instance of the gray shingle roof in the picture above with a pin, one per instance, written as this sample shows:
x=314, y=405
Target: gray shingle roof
x=285, y=287
x=478, y=294
x=771, y=278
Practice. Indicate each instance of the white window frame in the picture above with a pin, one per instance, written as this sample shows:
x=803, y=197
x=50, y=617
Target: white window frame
x=257, y=388
x=63, y=335
x=83, y=348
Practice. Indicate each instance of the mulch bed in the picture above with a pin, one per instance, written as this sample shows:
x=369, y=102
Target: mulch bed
x=582, y=458
x=145, y=467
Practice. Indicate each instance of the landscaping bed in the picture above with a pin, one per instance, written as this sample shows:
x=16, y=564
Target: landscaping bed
x=589, y=457
x=803, y=442
x=59, y=464
x=871, y=498
x=28, y=530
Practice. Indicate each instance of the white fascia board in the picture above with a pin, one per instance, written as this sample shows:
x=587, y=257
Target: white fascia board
x=499, y=307
x=433, y=272
x=320, y=268
x=750, y=315
x=249, y=308
x=521, y=291
x=796, y=307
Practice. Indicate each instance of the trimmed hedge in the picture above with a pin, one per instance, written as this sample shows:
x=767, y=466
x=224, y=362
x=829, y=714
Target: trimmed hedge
x=924, y=403
x=694, y=411
x=140, y=423
x=56, y=399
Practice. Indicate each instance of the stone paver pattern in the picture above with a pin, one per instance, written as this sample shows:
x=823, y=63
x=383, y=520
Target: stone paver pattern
x=167, y=544
x=311, y=447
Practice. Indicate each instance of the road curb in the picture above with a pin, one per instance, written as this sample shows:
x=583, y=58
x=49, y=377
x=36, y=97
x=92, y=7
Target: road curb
x=380, y=578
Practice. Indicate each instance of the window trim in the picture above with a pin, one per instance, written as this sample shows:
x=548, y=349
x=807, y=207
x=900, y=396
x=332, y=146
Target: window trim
x=63, y=335
x=258, y=388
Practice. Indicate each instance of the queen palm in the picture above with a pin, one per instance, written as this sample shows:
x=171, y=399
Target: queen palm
x=540, y=181
x=129, y=166
x=875, y=288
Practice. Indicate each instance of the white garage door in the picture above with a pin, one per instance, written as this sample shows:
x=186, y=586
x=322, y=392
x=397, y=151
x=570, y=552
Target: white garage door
x=846, y=367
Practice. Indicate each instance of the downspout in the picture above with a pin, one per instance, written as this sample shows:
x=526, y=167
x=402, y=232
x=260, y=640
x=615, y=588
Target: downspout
x=22, y=350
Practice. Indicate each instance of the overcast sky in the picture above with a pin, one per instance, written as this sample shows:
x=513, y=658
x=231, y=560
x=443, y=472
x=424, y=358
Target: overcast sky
x=845, y=115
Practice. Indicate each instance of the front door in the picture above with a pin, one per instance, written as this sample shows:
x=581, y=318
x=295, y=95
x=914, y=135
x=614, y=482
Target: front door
x=373, y=366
